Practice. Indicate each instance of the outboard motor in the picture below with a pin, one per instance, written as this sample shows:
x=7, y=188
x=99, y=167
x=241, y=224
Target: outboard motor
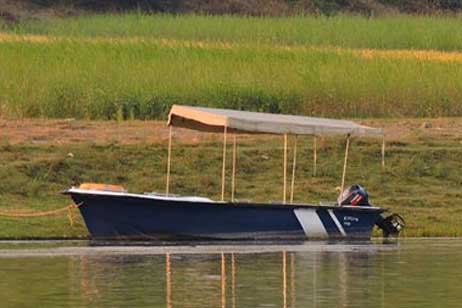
x=390, y=225
x=354, y=195
x=357, y=195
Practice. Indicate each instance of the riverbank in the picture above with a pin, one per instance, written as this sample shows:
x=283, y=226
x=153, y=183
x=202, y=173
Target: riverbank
x=40, y=158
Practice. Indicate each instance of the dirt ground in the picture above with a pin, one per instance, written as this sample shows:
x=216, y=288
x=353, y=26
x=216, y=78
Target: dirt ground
x=38, y=131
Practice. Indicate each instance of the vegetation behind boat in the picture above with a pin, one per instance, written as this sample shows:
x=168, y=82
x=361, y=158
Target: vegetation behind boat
x=421, y=181
x=16, y=9
x=137, y=66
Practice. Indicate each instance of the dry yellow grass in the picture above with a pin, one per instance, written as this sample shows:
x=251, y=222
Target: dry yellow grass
x=420, y=55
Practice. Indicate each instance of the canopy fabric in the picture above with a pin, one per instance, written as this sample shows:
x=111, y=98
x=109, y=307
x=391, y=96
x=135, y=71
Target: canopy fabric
x=215, y=120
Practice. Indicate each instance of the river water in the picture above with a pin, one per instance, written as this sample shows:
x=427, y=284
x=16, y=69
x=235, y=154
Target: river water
x=409, y=273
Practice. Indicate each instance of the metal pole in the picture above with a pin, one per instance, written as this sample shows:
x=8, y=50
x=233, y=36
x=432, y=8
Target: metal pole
x=233, y=179
x=345, y=163
x=223, y=170
x=169, y=157
x=315, y=154
x=292, y=184
x=285, y=170
x=383, y=152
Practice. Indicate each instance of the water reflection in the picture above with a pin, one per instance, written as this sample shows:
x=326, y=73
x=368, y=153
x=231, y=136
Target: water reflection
x=228, y=279
x=328, y=276
x=168, y=281
x=89, y=290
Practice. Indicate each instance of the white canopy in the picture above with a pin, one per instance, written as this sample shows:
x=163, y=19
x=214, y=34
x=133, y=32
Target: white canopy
x=215, y=120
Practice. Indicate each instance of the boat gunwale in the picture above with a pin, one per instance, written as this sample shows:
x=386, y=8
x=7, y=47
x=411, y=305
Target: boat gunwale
x=204, y=202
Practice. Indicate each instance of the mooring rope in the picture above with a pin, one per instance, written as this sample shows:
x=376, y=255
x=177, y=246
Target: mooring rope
x=67, y=209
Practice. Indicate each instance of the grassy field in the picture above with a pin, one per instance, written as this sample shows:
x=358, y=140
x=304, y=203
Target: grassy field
x=391, y=32
x=421, y=181
x=133, y=66
x=136, y=66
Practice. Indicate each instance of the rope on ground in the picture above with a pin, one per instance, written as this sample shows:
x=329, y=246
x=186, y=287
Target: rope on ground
x=67, y=209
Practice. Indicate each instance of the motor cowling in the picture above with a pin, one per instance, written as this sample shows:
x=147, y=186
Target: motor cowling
x=391, y=225
x=354, y=195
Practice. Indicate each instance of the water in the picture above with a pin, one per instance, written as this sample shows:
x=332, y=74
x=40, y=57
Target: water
x=411, y=273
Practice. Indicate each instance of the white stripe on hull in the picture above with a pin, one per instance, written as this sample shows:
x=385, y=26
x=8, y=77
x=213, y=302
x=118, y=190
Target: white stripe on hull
x=311, y=223
x=337, y=223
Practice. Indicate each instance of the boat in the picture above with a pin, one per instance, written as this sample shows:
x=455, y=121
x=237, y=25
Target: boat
x=112, y=213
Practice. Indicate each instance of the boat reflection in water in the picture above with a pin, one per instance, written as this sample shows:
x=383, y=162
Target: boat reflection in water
x=413, y=274
x=185, y=277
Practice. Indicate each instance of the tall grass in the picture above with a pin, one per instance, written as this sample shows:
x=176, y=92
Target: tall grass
x=141, y=80
x=390, y=32
x=244, y=63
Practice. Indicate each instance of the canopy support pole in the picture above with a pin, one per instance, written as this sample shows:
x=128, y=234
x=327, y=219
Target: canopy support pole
x=345, y=163
x=169, y=157
x=292, y=184
x=315, y=155
x=383, y=152
x=223, y=169
x=233, y=179
x=284, y=194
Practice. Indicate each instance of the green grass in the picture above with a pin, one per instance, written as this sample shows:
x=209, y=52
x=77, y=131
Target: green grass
x=421, y=181
x=105, y=80
x=142, y=79
x=390, y=32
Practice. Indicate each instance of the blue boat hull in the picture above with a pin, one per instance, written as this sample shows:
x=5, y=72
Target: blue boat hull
x=128, y=217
